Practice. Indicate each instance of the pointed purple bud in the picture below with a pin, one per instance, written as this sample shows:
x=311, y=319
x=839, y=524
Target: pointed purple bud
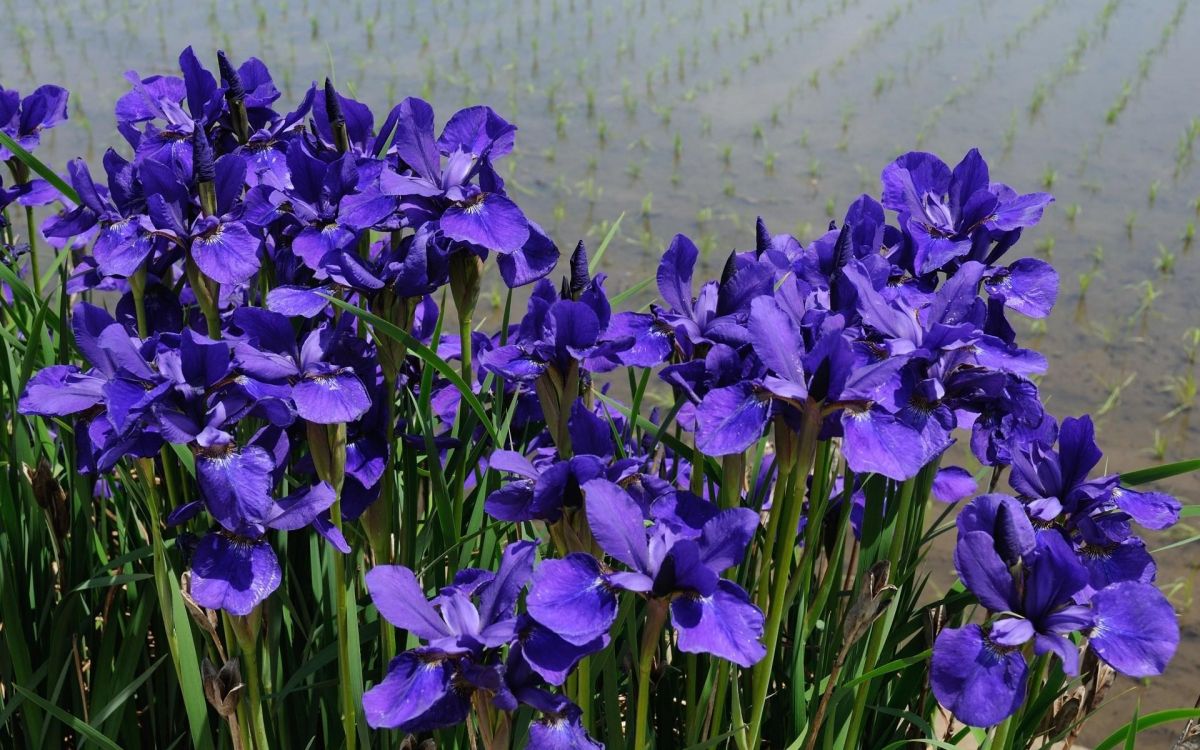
x=762, y=238
x=832, y=225
x=333, y=105
x=730, y=268
x=234, y=90
x=843, y=249
x=203, y=166
x=579, y=270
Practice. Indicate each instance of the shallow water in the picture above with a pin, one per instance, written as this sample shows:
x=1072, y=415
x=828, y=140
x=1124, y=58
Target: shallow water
x=699, y=116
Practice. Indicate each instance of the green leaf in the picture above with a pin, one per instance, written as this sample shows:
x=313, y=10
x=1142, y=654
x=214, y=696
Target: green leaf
x=104, y=582
x=73, y=722
x=1155, y=473
x=1143, y=723
x=126, y=692
x=1131, y=739
x=635, y=289
x=612, y=232
x=891, y=666
x=37, y=166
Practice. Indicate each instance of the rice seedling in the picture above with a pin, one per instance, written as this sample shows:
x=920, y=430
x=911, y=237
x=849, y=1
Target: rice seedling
x=1165, y=262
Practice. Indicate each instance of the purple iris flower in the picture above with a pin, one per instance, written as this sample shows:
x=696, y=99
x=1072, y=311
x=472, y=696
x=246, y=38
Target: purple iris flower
x=677, y=559
x=548, y=486
x=222, y=245
x=23, y=120
x=946, y=211
x=464, y=195
x=1055, y=482
x=1036, y=589
x=430, y=686
x=558, y=332
x=318, y=374
x=718, y=312
x=324, y=211
x=125, y=231
x=116, y=397
x=234, y=568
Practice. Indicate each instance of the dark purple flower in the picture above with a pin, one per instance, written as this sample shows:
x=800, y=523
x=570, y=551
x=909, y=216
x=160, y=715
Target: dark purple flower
x=324, y=390
x=23, y=120
x=1036, y=589
x=679, y=559
x=430, y=687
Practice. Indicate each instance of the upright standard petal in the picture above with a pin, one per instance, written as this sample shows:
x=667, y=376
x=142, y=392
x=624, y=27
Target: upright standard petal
x=402, y=602
x=984, y=573
x=500, y=595
x=675, y=274
x=617, y=523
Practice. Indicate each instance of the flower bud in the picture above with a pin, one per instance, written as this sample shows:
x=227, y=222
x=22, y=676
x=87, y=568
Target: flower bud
x=333, y=105
x=234, y=90
x=579, y=270
x=762, y=238
x=730, y=268
x=203, y=166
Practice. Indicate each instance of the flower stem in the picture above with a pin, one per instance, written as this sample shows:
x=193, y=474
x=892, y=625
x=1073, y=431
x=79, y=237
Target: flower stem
x=1000, y=735
x=246, y=631
x=583, y=697
x=31, y=231
x=187, y=669
x=784, y=544
x=656, y=617
x=328, y=446
x=879, y=629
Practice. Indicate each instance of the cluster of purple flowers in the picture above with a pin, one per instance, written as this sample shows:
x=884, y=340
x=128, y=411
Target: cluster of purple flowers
x=1059, y=559
x=223, y=235
x=232, y=225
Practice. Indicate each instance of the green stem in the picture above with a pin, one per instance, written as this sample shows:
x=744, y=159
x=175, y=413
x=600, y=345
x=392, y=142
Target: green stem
x=246, y=631
x=197, y=716
x=656, y=617
x=1001, y=734
x=790, y=510
x=345, y=680
x=879, y=629
x=583, y=698
x=733, y=474
x=31, y=231
x=200, y=287
x=328, y=448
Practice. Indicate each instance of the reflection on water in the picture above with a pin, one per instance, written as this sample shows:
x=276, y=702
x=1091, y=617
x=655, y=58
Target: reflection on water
x=699, y=116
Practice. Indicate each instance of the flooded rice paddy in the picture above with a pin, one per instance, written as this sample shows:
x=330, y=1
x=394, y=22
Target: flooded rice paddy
x=698, y=116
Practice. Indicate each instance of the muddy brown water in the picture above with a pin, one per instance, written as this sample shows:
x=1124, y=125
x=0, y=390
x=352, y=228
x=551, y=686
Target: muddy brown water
x=699, y=116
